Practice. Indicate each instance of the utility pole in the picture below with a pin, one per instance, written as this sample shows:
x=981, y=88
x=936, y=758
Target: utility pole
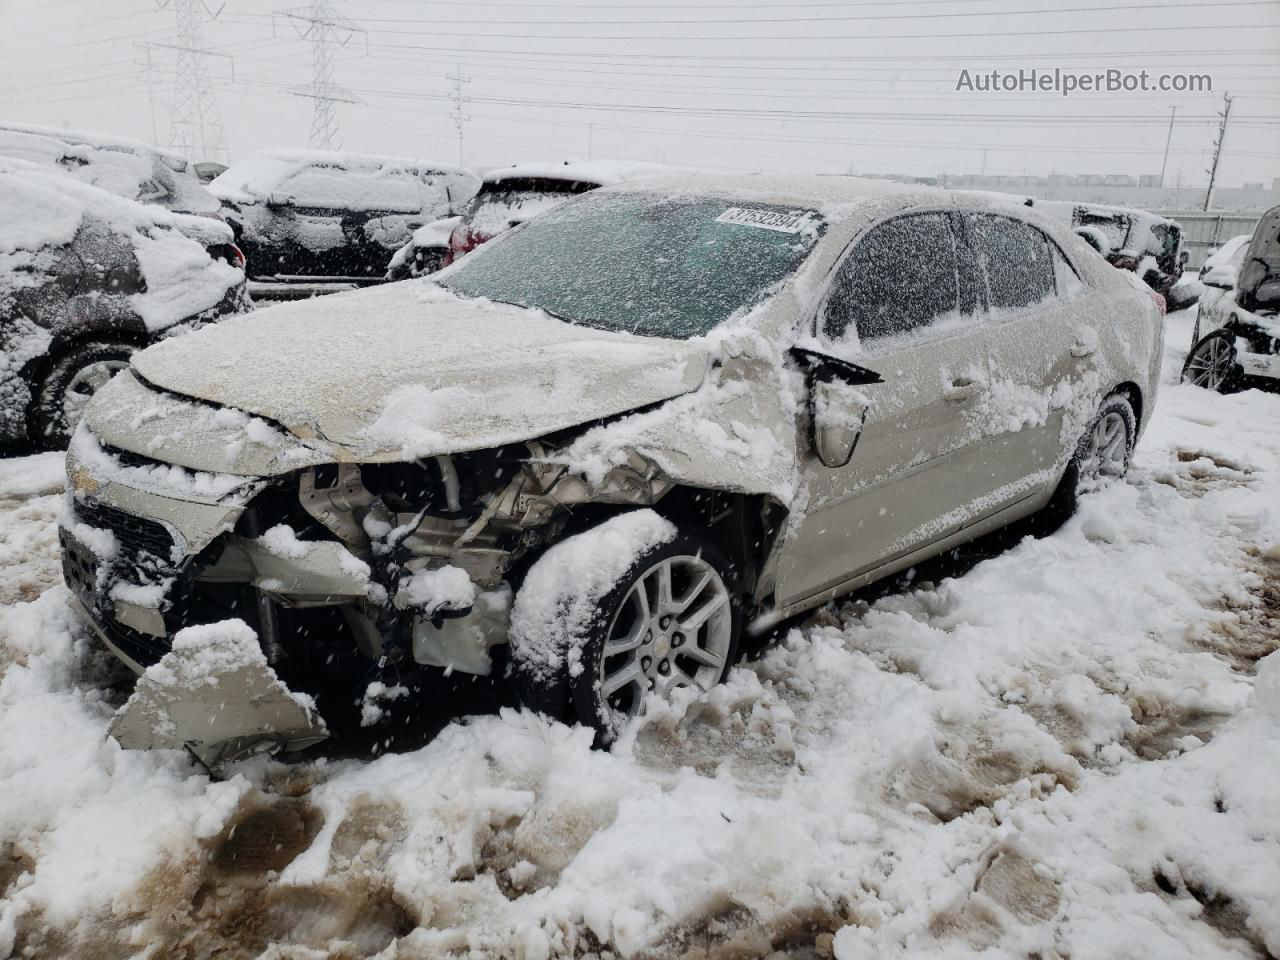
x=459, y=118
x=590, y=136
x=1173, y=112
x=328, y=30
x=1217, y=148
x=195, y=126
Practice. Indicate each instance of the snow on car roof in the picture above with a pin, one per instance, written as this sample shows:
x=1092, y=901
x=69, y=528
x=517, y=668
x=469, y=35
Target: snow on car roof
x=835, y=196
x=175, y=161
x=42, y=207
x=257, y=175
x=602, y=172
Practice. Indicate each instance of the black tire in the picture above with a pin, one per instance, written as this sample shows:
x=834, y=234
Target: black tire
x=1195, y=371
x=47, y=420
x=1066, y=498
x=572, y=693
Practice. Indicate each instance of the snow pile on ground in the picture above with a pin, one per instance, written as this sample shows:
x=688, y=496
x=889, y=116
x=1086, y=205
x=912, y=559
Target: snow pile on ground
x=1061, y=752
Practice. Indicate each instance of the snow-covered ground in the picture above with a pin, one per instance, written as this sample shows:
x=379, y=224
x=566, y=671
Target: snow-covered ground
x=1060, y=753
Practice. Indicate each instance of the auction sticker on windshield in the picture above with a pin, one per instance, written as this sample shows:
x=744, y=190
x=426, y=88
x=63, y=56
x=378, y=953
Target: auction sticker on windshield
x=764, y=219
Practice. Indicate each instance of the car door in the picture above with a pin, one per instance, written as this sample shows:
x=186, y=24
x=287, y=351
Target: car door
x=901, y=304
x=1044, y=348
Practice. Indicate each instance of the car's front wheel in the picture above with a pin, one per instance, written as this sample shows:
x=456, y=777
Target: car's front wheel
x=669, y=621
x=67, y=386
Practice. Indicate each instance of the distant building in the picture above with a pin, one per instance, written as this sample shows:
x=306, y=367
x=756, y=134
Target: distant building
x=1061, y=180
x=1119, y=180
x=1275, y=184
x=1090, y=180
x=1149, y=180
x=1254, y=186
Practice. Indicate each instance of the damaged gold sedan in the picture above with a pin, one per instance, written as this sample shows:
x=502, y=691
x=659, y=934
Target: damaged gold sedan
x=585, y=456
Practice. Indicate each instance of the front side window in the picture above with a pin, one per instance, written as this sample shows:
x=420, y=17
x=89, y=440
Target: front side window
x=653, y=265
x=1014, y=258
x=902, y=277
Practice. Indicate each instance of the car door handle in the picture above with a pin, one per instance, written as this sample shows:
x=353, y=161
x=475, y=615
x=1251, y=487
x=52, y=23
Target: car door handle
x=960, y=390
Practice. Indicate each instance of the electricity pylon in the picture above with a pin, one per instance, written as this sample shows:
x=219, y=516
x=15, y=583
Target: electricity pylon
x=327, y=29
x=195, y=126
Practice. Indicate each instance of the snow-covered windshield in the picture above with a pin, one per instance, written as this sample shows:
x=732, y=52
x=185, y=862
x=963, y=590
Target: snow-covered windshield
x=652, y=265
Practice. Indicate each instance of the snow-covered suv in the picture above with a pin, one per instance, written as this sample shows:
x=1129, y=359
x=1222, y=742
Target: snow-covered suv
x=593, y=450
x=87, y=278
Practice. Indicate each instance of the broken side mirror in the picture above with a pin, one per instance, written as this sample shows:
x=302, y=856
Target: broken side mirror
x=837, y=409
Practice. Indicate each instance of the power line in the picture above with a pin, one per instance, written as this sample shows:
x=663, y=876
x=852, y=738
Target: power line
x=836, y=18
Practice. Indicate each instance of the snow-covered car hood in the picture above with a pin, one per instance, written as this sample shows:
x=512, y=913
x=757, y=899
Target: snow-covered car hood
x=408, y=370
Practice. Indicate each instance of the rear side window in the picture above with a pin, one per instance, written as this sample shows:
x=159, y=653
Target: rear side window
x=901, y=277
x=1015, y=259
x=334, y=188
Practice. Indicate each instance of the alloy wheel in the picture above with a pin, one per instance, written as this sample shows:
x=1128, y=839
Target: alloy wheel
x=1106, y=453
x=1210, y=363
x=673, y=629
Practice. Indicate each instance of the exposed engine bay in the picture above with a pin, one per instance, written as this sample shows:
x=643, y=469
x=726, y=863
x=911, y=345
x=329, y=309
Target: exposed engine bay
x=349, y=573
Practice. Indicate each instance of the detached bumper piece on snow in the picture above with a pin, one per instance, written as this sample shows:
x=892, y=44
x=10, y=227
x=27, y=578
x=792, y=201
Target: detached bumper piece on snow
x=208, y=690
x=217, y=698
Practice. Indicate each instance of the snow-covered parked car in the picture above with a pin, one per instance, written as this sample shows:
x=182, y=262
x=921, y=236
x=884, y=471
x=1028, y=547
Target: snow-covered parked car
x=1236, y=339
x=87, y=278
x=312, y=221
x=508, y=197
x=1144, y=243
x=592, y=451
x=127, y=168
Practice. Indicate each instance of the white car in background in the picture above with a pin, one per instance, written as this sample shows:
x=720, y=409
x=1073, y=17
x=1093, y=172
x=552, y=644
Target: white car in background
x=1236, y=340
x=594, y=449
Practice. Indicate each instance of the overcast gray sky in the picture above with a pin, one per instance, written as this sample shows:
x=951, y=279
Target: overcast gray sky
x=823, y=86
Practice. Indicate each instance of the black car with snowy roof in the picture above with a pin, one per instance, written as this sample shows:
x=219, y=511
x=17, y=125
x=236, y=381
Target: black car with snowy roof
x=313, y=221
x=86, y=279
